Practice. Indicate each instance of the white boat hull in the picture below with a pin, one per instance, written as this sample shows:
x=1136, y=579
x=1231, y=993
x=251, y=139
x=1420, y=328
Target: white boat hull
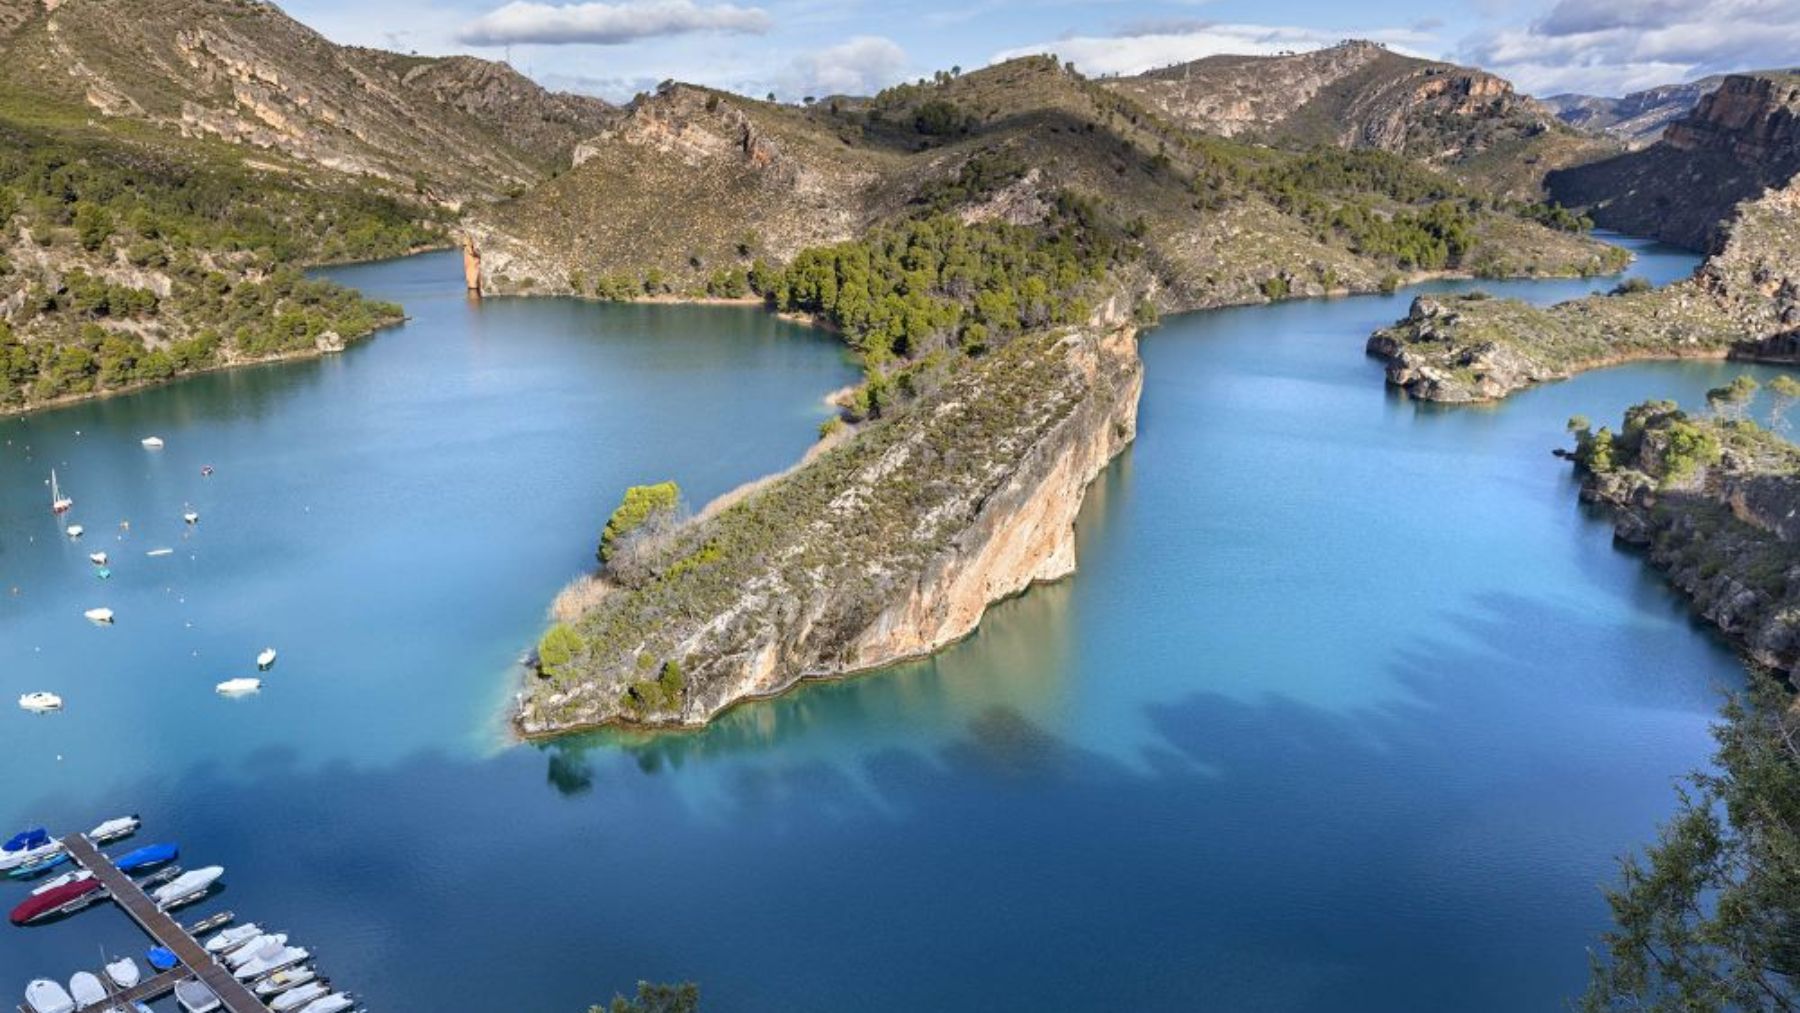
x=238, y=687
x=44, y=996
x=40, y=703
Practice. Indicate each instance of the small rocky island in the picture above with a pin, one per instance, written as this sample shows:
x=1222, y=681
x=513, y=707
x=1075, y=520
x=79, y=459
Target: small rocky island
x=1714, y=502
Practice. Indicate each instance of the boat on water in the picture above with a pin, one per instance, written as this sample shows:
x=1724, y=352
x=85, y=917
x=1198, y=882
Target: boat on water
x=60, y=881
x=195, y=997
x=270, y=960
x=337, y=1002
x=160, y=552
x=232, y=938
x=99, y=615
x=238, y=687
x=266, y=659
x=161, y=958
x=97, y=558
x=125, y=972
x=191, y=516
x=103, y=573
x=263, y=945
x=26, y=847
x=187, y=887
x=206, y=471
x=75, y=530
x=147, y=857
x=62, y=900
x=152, y=442
x=86, y=989
x=31, y=870
x=59, y=502
x=292, y=978
x=46, y=996
x=40, y=702
x=114, y=830
x=299, y=998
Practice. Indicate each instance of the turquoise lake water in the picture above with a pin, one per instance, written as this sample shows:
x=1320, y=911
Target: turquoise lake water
x=1350, y=707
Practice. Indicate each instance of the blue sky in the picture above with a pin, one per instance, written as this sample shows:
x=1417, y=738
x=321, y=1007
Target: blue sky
x=801, y=47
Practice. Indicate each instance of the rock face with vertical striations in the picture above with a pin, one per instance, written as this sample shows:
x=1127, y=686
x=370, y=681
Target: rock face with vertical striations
x=1637, y=119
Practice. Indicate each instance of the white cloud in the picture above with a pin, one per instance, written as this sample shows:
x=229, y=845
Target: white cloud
x=1146, y=47
x=859, y=66
x=608, y=23
x=1615, y=46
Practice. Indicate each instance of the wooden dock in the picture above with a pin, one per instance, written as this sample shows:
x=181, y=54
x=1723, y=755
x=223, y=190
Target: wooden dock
x=235, y=996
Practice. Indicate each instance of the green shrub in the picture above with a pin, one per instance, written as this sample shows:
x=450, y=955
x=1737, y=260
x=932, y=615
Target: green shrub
x=641, y=502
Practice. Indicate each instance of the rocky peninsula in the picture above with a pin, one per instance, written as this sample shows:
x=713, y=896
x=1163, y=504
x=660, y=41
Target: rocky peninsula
x=1714, y=503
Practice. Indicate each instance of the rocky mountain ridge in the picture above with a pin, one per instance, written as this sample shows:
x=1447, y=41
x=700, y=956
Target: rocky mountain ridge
x=1638, y=118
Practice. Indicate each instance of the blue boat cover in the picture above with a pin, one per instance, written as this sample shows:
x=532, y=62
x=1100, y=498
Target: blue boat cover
x=146, y=856
x=162, y=958
x=36, y=837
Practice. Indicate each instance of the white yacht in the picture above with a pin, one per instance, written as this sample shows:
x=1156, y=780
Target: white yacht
x=335, y=1003
x=124, y=972
x=114, y=830
x=99, y=615
x=188, y=886
x=299, y=998
x=40, y=702
x=261, y=946
x=152, y=442
x=277, y=958
x=292, y=978
x=86, y=988
x=75, y=530
x=266, y=659
x=226, y=940
x=195, y=997
x=45, y=996
x=238, y=687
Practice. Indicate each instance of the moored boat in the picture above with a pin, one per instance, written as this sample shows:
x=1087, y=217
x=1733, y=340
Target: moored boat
x=334, y=1003
x=263, y=945
x=59, y=502
x=147, y=857
x=46, y=996
x=99, y=615
x=161, y=958
x=75, y=530
x=97, y=558
x=266, y=659
x=41, y=702
x=292, y=978
x=232, y=938
x=238, y=687
x=191, y=516
x=33, y=869
x=288, y=1002
x=124, y=972
x=160, y=552
x=86, y=989
x=103, y=573
x=26, y=847
x=152, y=442
x=278, y=958
x=63, y=880
x=187, y=887
x=62, y=900
x=114, y=829
x=195, y=997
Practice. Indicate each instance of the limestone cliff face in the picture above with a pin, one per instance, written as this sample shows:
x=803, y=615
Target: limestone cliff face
x=1738, y=140
x=888, y=547
x=1724, y=531
x=1639, y=118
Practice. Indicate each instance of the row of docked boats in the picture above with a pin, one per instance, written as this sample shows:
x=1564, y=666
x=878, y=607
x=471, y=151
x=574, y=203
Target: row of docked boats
x=275, y=969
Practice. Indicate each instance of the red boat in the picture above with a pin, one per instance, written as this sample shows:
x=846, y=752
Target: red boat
x=62, y=900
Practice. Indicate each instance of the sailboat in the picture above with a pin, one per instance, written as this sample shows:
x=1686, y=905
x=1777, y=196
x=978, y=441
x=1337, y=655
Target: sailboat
x=59, y=504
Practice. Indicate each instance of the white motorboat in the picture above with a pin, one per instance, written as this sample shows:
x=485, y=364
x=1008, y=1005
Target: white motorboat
x=85, y=987
x=59, y=502
x=28, y=848
x=262, y=946
x=63, y=880
x=124, y=972
x=45, y=996
x=292, y=978
x=270, y=960
x=337, y=1002
x=299, y=998
x=114, y=830
x=189, y=886
x=75, y=530
x=191, y=516
x=195, y=997
x=238, y=687
x=230, y=939
x=160, y=552
x=40, y=702
x=152, y=442
x=266, y=659
x=97, y=558
x=99, y=615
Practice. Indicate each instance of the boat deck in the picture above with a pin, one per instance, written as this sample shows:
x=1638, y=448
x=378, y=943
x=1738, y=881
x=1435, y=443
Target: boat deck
x=195, y=961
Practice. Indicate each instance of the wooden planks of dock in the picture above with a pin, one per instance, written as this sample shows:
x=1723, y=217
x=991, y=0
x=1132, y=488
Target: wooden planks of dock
x=195, y=961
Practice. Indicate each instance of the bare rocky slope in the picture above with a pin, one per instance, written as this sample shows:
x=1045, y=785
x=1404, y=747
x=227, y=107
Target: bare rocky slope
x=1362, y=95
x=1744, y=301
x=243, y=71
x=885, y=547
x=1739, y=140
x=1637, y=119
x=1713, y=504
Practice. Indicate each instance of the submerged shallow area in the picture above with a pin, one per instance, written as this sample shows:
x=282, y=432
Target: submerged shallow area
x=1350, y=706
